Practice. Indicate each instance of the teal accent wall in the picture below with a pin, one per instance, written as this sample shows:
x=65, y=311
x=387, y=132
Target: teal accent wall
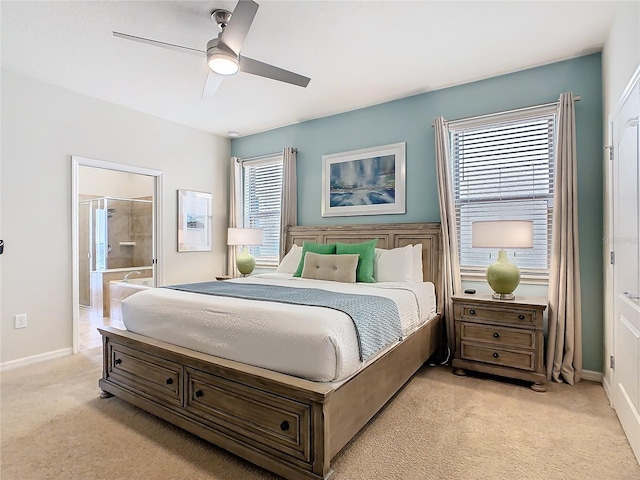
x=409, y=120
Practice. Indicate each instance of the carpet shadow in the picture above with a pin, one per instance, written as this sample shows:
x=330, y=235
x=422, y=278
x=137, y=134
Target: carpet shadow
x=177, y=441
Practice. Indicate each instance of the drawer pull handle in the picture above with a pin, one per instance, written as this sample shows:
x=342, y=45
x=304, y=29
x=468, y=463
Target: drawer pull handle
x=496, y=335
x=199, y=393
x=284, y=426
x=118, y=361
x=169, y=381
x=495, y=355
x=521, y=317
x=472, y=312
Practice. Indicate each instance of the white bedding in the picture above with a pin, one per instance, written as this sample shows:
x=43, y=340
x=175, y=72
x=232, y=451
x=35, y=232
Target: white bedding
x=316, y=343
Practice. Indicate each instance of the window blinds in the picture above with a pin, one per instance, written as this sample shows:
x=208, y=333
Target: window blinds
x=262, y=203
x=504, y=170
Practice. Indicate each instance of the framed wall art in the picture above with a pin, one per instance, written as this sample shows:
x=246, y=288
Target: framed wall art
x=370, y=181
x=194, y=221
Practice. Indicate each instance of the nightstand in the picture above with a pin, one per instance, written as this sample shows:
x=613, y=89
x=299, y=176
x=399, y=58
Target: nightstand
x=500, y=337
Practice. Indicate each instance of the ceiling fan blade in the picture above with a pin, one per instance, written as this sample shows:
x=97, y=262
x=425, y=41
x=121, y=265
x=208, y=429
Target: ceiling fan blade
x=254, y=67
x=236, y=30
x=156, y=43
x=211, y=84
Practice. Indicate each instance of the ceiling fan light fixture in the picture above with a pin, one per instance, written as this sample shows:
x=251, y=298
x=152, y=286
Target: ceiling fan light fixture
x=223, y=63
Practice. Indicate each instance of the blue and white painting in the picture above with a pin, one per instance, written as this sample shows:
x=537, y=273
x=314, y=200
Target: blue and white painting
x=368, y=181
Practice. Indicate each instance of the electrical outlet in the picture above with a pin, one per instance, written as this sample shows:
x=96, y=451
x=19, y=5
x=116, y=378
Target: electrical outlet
x=21, y=320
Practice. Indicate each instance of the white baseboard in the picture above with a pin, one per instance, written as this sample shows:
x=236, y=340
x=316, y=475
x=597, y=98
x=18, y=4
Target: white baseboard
x=592, y=376
x=21, y=362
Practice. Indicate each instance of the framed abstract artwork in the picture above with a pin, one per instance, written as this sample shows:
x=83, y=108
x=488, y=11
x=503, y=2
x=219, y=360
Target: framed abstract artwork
x=370, y=181
x=194, y=221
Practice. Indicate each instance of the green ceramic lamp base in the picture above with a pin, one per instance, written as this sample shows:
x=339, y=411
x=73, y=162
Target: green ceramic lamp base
x=503, y=277
x=245, y=262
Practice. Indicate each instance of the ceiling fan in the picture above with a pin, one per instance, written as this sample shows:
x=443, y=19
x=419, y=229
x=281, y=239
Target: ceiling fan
x=223, y=53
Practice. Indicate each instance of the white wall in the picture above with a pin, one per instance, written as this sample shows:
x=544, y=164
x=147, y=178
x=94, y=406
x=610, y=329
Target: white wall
x=111, y=183
x=620, y=58
x=42, y=127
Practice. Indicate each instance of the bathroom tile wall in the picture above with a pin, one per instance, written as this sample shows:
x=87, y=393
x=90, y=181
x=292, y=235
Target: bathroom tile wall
x=141, y=227
x=84, y=248
x=130, y=221
x=118, y=230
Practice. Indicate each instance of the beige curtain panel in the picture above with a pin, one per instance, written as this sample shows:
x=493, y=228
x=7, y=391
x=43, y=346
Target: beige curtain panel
x=564, y=351
x=235, y=210
x=289, y=205
x=451, y=263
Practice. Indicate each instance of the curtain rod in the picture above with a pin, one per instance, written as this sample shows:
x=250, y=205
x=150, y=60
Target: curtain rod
x=260, y=157
x=576, y=98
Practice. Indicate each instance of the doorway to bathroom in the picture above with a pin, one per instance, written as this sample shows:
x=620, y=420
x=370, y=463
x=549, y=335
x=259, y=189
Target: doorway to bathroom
x=115, y=242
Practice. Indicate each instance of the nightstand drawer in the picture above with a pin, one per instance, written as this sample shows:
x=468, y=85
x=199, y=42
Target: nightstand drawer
x=512, y=316
x=497, y=356
x=510, y=337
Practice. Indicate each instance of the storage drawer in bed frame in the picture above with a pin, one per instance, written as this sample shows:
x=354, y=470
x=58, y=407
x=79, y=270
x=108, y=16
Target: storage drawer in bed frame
x=147, y=375
x=268, y=422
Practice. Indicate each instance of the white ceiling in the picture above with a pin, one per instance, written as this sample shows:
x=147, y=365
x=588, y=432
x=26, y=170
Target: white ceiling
x=357, y=53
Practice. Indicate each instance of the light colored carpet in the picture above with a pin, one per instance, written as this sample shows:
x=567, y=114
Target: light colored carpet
x=440, y=426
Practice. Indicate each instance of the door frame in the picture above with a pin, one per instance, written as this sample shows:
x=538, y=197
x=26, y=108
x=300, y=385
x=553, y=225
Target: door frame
x=76, y=162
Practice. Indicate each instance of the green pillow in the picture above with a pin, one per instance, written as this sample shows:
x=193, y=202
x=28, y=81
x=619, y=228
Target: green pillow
x=321, y=248
x=366, y=251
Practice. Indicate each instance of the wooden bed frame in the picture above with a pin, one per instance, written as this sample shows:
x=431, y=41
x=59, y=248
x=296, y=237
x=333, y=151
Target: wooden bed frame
x=288, y=425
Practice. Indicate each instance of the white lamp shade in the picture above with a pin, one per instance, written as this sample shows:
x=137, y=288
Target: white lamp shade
x=502, y=234
x=244, y=236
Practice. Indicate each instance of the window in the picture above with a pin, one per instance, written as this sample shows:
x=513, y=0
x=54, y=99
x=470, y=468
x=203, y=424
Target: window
x=262, y=197
x=503, y=169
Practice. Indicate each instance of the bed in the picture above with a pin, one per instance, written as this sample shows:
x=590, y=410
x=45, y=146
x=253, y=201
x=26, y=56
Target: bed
x=286, y=424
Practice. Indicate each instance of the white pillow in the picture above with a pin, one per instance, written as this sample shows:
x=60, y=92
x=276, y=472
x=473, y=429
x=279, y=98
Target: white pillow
x=289, y=263
x=417, y=263
x=395, y=265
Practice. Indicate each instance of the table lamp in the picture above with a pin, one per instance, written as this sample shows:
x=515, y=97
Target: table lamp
x=502, y=275
x=245, y=262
